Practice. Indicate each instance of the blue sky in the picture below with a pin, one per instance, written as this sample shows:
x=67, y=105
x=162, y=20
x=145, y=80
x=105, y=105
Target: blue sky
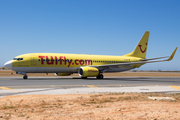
x=107, y=27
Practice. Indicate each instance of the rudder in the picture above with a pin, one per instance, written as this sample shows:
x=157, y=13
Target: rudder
x=141, y=48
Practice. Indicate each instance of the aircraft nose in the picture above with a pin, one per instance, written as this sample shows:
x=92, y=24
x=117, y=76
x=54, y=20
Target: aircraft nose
x=8, y=64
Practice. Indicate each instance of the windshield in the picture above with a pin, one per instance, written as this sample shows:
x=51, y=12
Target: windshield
x=18, y=59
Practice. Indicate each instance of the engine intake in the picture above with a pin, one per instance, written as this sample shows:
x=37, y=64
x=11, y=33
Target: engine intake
x=88, y=72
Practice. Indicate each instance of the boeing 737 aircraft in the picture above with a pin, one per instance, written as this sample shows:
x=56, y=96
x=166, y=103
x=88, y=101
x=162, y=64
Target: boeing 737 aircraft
x=84, y=65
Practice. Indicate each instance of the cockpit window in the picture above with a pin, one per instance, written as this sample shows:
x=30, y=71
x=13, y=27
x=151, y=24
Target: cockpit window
x=18, y=59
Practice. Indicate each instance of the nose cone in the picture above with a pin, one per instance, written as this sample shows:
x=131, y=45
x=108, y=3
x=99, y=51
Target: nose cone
x=8, y=64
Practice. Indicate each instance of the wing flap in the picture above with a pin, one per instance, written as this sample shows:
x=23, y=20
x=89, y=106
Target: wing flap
x=155, y=58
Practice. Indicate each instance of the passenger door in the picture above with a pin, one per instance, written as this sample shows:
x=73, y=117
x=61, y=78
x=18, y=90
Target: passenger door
x=33, y=60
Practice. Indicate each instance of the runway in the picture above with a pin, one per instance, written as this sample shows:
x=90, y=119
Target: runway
x=69, y=85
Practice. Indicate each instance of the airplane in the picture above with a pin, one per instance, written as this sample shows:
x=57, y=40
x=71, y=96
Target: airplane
x=85, y=65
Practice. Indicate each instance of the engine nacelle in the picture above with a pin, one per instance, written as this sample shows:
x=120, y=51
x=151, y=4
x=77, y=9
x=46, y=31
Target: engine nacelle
x=62, y=74
x=88, y=72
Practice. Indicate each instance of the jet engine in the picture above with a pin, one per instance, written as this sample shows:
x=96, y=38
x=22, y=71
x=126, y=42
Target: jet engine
x=88, y=72
x=62, y=74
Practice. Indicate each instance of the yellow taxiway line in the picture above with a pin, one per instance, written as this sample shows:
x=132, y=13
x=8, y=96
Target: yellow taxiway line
x=175, y=87
x=6, y=88
x=92, y=86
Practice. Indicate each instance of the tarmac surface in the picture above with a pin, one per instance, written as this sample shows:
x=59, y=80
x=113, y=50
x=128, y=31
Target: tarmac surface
x=76, y=85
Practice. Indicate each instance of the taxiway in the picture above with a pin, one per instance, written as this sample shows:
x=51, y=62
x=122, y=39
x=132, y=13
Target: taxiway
x=69, y=85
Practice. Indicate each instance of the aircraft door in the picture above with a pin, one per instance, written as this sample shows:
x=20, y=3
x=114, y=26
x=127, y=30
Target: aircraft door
x=33, y=60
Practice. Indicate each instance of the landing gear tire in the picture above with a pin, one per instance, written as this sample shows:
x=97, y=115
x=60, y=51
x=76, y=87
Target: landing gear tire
x=25, y=77
x=100, y=76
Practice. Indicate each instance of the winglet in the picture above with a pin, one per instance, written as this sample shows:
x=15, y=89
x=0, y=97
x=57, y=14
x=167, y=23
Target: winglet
x=172, y=55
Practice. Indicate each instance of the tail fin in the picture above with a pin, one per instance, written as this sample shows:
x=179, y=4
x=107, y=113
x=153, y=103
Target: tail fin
x=141, y=48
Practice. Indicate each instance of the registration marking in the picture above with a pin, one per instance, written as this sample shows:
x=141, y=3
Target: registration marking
x=176, y=87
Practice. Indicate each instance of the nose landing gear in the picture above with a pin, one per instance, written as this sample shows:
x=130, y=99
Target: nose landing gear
x=23, y=73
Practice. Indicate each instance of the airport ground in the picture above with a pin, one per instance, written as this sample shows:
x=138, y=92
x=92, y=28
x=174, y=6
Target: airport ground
x=93, y=106
x=118, y=74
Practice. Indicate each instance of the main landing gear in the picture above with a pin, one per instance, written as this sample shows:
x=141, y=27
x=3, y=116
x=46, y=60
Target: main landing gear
x=25, y=77
x=100, y=76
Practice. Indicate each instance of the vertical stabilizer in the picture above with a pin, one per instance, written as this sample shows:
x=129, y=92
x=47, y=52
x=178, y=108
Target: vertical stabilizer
x=141, y=48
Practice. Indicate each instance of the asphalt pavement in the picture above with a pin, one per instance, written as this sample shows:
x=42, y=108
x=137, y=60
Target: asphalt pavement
x=76, y=85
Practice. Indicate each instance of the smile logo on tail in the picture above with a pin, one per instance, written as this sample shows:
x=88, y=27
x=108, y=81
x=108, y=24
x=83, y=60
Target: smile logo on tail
x=143, y=51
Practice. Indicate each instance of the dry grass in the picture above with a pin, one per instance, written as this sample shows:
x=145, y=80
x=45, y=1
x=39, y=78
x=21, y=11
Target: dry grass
x=111, y=106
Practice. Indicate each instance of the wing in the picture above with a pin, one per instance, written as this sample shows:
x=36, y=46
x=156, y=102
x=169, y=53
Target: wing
x=129, y=64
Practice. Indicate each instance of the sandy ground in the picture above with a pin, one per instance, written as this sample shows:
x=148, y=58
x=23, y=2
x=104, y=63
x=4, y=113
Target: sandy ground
x=118, y=74
x=112, y=106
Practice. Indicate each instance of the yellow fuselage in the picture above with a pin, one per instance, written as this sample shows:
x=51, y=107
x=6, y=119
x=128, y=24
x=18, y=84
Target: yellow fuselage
x=56, y=60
